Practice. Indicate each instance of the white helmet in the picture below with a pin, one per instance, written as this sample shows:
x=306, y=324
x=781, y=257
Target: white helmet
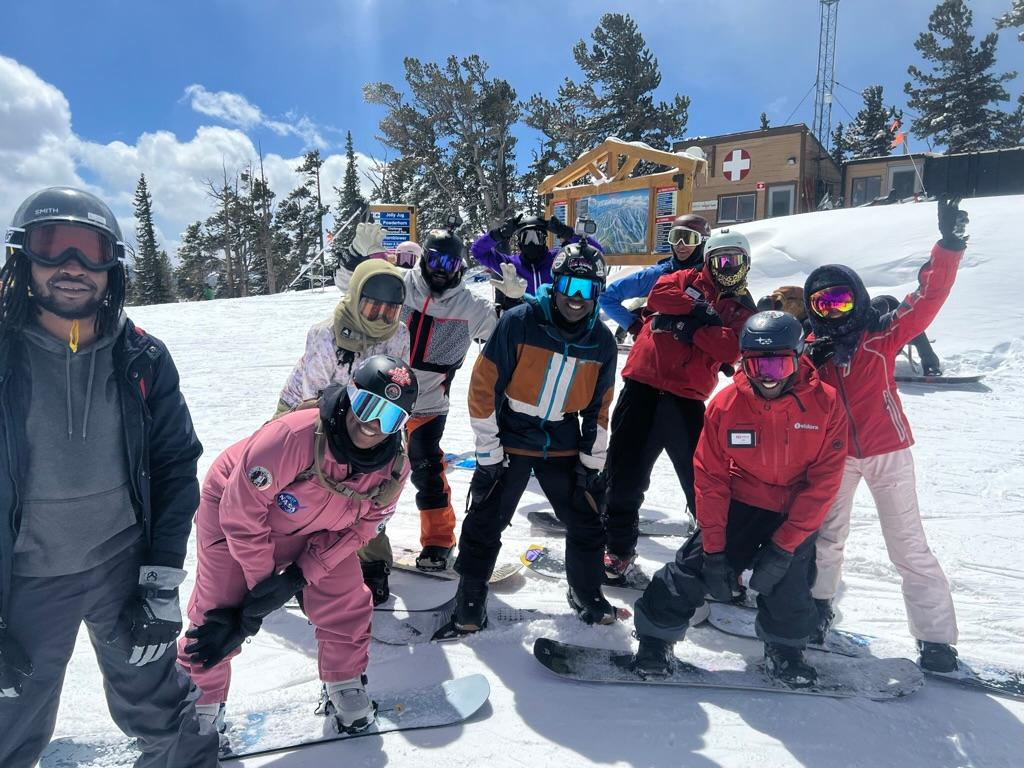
x=730, y=265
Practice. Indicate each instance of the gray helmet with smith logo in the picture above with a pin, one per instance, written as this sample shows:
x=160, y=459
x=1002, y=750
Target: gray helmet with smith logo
x=63, y=204
x=772, y=331
x=580, y=260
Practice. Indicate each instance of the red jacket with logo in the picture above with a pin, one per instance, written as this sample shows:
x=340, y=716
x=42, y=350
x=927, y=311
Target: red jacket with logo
x=866, y=385
x=687, y=370
x=784, y=455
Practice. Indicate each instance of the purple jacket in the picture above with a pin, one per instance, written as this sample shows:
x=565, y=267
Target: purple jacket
x=485, y=251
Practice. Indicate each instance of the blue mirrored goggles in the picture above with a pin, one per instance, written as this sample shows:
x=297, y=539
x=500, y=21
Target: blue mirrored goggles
x=584, y=287
x=367, y=407
x=436, y=260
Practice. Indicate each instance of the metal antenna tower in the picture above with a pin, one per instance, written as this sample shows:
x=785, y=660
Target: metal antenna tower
x=825, y=78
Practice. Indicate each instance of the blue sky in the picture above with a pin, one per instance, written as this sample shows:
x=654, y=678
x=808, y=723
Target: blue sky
x=287, y=75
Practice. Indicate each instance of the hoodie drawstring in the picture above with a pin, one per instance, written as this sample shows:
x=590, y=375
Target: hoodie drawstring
x=88, y=392
x=67, y=388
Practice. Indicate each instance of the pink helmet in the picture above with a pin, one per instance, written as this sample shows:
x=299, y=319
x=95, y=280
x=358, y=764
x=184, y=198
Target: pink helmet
x=406, y=254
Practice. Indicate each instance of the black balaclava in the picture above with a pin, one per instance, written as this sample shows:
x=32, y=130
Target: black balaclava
x=845, y=331
x=333, y=409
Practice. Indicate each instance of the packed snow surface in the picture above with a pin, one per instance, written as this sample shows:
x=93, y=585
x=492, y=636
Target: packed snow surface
x=234, y=356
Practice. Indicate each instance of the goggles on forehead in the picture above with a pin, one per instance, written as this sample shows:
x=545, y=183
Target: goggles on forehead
x=445, y=262
x=367, y=406
x=52, y=244
x=584, y=287
x=775, y=367
x=727, y=258
x=832, y=302
x=686, y=236
x=404, y=259
x=532, y=237
x=374, y=309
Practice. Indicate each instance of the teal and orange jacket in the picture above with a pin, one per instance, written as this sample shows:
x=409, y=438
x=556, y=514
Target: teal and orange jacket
x=534, y=393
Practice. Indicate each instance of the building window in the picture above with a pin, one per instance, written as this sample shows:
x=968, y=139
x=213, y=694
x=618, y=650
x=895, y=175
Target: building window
x=781, y=200
x=903, y=181
x=736, y=208
x=865, y=190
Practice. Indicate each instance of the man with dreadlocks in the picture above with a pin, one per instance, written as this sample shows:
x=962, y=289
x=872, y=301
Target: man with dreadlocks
x=97, y=488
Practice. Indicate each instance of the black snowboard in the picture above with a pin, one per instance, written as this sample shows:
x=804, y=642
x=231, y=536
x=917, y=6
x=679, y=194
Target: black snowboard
x=648, y=527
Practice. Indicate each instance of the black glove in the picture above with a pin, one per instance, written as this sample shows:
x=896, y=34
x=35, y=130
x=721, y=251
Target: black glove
x=508, y=228
x=485, y=479
x=705, y=313
x=634, y=328
x=718, y=576
x=952, y=224
x=221, y=633
x=728, y=369
x=150, y=621
x=681, y=326
x=770, y=565
x=14, y=665
x=590, y=489
x=821, y=350
x=560, y=230
x=272, y=593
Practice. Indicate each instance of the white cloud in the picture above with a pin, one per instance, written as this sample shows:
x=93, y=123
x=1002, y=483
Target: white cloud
x=235, y=109
x=38, y=148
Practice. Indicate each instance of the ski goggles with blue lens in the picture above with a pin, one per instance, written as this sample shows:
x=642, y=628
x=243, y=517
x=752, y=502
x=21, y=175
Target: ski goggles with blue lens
x=367, y=407
x=445, y=262
x=584, y=287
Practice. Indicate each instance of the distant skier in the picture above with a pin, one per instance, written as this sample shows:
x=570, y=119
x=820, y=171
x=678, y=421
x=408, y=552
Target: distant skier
x=855, y=350
x=686, y=238
x=97, y=489
x=282, y=513
x=694, y=318
x=539, y=401
x=768, y=464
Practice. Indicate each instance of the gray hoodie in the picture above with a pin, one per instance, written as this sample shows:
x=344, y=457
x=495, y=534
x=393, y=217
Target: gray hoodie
x=77, y=510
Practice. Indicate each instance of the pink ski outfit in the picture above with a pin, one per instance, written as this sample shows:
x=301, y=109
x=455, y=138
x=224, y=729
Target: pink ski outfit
x=258, y=513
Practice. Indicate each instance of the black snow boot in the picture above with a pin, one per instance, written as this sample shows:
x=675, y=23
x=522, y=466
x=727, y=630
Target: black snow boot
x=375, y=576
x=825, y=618
x=592, y=609
x=470, y=605
x=937, y=657
x=786, y=663
x=434, y=558
x=654, y=657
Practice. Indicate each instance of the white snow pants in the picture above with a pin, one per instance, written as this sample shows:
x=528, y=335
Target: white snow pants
x=890, y=478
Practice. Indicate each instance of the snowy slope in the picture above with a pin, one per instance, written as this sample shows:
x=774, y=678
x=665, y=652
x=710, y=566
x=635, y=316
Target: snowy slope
x=234, y=356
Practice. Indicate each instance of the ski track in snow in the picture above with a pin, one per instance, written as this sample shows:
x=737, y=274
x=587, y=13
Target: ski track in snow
x=234, y=355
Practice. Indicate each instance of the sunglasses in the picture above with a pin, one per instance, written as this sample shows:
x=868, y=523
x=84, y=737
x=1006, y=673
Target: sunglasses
x=584, y=287
x=832, y=302
x=532, y=237
x=774, y=367
x=367, y=407
x=685, y=236
x=727, y=259
x=445, y=262
x=373, y=309
x=54, y=243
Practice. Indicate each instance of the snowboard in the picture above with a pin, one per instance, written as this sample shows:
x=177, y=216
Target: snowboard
x=405, y=560
x=286, y=724
x=940, y=380
x=545, y=562
x=547, y=521
x=436, y=624
x=1007, y=683
x=838, y=677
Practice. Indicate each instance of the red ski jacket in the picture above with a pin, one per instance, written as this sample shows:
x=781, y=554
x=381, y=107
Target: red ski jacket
x=785, y=455
x=866, y=385
x=688, y=370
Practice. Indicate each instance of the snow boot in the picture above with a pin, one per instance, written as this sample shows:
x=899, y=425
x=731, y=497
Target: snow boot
x=470, y=605
x=825, y=618
x=654, y=657
x=375, y=576
x=617, y=569
x=937, y=657
x=211, y=720
x=592, y=609
x=786, y=664
x=434, y=558
x=349, y=704
x=931, y=370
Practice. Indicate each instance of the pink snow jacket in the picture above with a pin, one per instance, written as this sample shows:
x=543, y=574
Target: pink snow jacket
x=260, y=499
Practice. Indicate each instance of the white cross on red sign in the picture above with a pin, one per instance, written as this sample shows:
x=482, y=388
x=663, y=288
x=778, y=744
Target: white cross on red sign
x=736, y=165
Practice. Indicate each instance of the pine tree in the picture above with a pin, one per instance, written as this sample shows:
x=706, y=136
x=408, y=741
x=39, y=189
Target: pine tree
x=765, y=125
x=871, y=133
x=153, y=283
x=839, y=149
x=953, y=101
x=196, y=261
x=350, y=198
x=299, y=222
x=1013, y=18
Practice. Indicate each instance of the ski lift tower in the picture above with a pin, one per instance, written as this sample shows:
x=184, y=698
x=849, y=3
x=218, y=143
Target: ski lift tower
x=825, y=79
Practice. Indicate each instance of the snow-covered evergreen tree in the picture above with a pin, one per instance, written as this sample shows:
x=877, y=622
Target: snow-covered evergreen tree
x=350, y=198
x=871, y=132
x=954, y=102
x=839, y=150
x=1013, y=18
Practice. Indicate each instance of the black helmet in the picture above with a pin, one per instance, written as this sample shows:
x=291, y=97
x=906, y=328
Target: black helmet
x=772, y=331
x=382, y=388
x=385, y=287
x=580, y=260
x=64, y=204
x=389, y=378
x=441, y=245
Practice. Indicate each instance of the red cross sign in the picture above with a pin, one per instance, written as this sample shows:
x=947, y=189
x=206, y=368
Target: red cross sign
x=736, y=165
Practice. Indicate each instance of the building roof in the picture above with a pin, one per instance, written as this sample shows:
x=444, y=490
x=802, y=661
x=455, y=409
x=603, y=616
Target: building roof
x=877, y=158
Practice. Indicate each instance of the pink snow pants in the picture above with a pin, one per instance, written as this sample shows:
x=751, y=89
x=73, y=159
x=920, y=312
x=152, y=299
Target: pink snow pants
x=339, y=606
x=890, y=478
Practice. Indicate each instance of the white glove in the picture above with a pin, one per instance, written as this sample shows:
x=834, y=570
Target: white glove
x=510, y=283
x=369, y=239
